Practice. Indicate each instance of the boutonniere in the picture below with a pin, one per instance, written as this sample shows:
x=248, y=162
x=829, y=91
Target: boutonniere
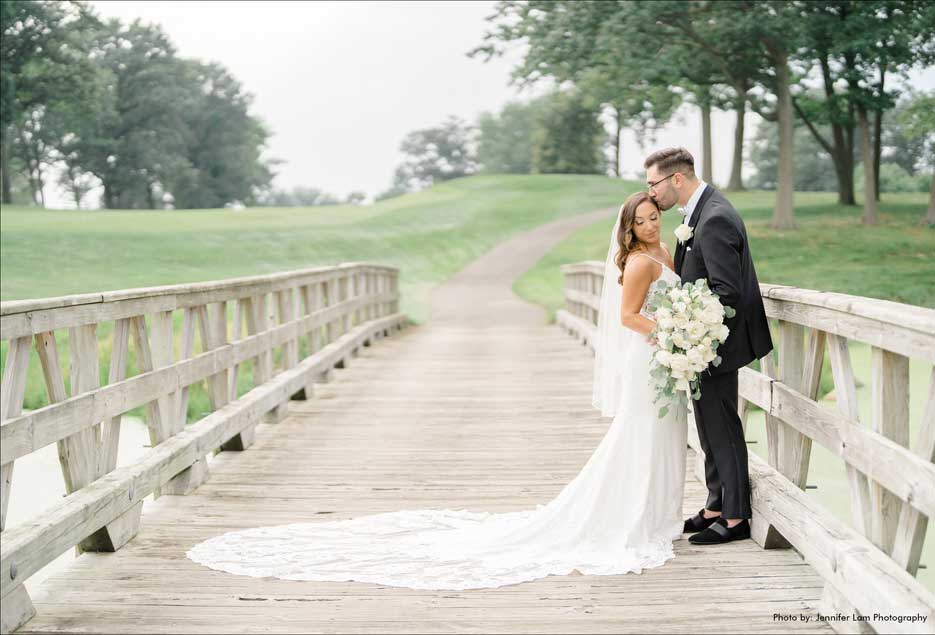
x=683, y=232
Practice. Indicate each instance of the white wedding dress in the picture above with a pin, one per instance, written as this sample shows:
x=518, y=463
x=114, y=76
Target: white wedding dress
x=620, y=514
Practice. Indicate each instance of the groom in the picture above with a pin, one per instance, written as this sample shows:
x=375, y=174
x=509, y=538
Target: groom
x=716, y=250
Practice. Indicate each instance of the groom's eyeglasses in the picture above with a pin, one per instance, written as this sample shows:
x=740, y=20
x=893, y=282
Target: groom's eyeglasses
x=652, y=186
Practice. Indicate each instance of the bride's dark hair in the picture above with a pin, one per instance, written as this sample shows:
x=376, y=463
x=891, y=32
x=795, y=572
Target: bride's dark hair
x=626, y=239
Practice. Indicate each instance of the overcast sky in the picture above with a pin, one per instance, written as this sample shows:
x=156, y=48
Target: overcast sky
x=341, y=83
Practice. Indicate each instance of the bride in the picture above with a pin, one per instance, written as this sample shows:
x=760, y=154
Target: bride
x=620, y=514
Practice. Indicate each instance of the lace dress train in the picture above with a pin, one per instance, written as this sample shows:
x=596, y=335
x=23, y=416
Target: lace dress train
x=620, y=514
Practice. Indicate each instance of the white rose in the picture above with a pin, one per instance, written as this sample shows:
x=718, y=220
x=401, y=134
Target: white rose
x=679, y=307
x=663, y=357
x=694, y=355
x=708, y=355
x=722, y=332
x=673, y=294
x=678, y=363
x=663, y=312
x=712, y=316
x=662, y=338
x=697, y=330
x=683, y=232
x=666, y=324
x=682, y=384
x=681, y=321
x=679, y=340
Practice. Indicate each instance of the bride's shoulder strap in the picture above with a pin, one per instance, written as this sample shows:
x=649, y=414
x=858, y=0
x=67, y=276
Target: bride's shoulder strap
x=642, y=253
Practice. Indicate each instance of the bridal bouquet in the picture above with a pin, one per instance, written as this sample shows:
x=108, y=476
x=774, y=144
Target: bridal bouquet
x=689, y=328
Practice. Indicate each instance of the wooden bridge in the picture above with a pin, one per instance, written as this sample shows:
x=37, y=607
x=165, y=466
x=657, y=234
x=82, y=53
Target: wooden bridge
x=354, y=411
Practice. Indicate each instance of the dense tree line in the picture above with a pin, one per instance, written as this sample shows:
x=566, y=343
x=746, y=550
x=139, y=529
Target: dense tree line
x=826, y=66
x=112, y=105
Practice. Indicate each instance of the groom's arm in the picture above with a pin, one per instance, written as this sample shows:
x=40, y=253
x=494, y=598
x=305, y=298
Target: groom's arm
x=721, y=251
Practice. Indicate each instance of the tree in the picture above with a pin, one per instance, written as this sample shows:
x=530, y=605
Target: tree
x=569, y=137
x=436, y=154
x=76, y=183
x=918, y=122
x=44, y=71
x=900, y=143
x=591, y=45
x=814, y=171
x=566, y=40
x=222, y=157
x=135, y=141
x=356, y=198
x=505, y=139
x=709, y=50
x=856, y=46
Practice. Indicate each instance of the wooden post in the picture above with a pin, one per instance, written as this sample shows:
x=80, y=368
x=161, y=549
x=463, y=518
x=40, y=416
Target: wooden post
x=162, y=354
x=911, y=526
x=845, y=392
x=16, y=608
x=890, y=417
x=343, y=293
x=244, y=439
x=308, y=302
x=328, y=295
x=119, y=532
x=761, y=531
x=12, y=392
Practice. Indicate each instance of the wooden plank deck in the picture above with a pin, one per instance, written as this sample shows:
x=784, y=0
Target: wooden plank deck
x=462, y=412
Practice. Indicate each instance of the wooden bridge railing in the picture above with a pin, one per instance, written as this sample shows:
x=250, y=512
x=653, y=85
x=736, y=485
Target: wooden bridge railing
x=869, y=566
x=328, y=311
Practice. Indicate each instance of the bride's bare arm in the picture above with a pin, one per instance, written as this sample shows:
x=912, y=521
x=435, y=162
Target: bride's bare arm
x=637, y=276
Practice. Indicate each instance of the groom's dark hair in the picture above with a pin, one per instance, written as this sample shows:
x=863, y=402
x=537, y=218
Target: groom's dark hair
x=672, y=160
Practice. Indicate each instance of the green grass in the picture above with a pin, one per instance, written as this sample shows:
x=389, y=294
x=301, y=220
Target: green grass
x=830, y=251
x=429, y=235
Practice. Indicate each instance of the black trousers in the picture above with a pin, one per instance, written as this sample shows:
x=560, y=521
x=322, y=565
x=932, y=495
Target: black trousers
x=721, y=434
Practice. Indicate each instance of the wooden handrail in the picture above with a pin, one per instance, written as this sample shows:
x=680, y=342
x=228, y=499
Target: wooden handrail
x=333, y=310
x=870, y=565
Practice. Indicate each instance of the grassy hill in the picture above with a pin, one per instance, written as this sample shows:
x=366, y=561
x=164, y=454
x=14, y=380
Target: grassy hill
x=430, y=235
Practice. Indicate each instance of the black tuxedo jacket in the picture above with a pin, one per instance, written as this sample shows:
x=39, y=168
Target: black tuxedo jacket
x=718, y=251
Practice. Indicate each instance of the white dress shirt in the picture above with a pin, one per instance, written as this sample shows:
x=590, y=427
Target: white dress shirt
x=693, y=201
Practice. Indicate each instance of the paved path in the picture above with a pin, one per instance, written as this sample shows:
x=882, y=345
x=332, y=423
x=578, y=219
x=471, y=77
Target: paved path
x=484, y=407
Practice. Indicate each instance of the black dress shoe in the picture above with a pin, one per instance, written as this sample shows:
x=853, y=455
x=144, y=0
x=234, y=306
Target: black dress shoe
x=698, y=522
x=719, y=533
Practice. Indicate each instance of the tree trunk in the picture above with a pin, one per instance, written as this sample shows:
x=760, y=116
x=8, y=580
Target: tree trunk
x=878, y=131
x=784, y=212
x=706, y=171
x=842, y=146
x=108, y=196
x=7, y=196
x=877, y=149
x=736, y=178
x=930, y=214
x=617, y=142
x=40, y=183
x=150, y=196
x=870, y=188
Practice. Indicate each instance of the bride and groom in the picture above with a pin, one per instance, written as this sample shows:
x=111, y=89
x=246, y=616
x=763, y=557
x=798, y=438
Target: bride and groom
x=623, y=510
